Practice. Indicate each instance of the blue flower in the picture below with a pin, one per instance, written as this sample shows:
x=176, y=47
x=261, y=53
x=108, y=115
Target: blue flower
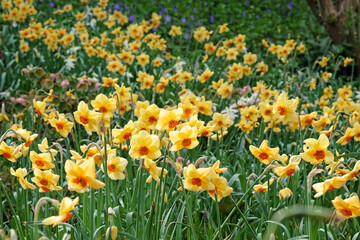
x=52, y=4
x=290, y=5
x=183, y=20
x=167, y=18
x=212, y=18
x=131, y=18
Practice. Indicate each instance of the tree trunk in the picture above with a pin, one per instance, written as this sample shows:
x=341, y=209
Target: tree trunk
x=334, y=15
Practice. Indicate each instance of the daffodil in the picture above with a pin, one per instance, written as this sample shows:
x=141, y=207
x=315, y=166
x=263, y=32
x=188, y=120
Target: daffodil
x=80, y=177
x=39, y=107
x=62, y=125
x=285, y=193
x=347, y=208
x=87, y=118
x=217, y=169
x=264, y=153
x=284, y=109
x=9, y=152
x=315, y=151
x=150, y=115
x=42, y=160
x=198, y=179
x=349, y=133
x=290, y=169
x=263, y=187
x=329, y=185
x=347, y=61
x=221, y=190
x=66, y=206
x=143, y=145
x=115, y=167
x=155, y=172
x=20, y=173
x=185, y=138
x=221, y=121
x=105, y=105
x=46, y=180
x=28, y=137
x=168, y=120
x=126, y=133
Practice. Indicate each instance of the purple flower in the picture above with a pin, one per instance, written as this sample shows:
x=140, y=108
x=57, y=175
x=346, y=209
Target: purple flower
x=52, y=4
x=175, y=9
x=290, y=5
x=188, y=36
x=244, y=14
x=194, y=10
x=163, y=9
x=268, y=10
x=131, y=18
x=183, y=20
x=192, y=17
x=198, y=23
x=116, y=6
x=155, y=29
x=167, y=18
x=212, y=18
x=257, y=17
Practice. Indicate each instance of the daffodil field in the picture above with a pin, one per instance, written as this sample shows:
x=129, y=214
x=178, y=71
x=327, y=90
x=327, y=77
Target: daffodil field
x=174, y=123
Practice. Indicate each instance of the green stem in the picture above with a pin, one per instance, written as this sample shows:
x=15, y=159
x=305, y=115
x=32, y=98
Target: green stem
x=17, y=220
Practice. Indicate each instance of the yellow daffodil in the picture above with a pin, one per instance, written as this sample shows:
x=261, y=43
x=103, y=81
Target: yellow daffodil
x=263, y=187
x=87, y=118
x=46, y=180
x=143, y=145
x=290, y=169
x=115, y=167
x=347, y=61
x=285, y=193
x=62, y=125
x=42, y=160
x=20, y=173
x=264, y=153
x=121, y=135
x=9, y=152
x=284, y=109
x=217, y=169
x=221, y=190
x=329, y=185
x=315, y=151
x=198, y=179
x=347, y=208
x=80, y=177
x=66, y=206
x=155, y=172
x=168, y=120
